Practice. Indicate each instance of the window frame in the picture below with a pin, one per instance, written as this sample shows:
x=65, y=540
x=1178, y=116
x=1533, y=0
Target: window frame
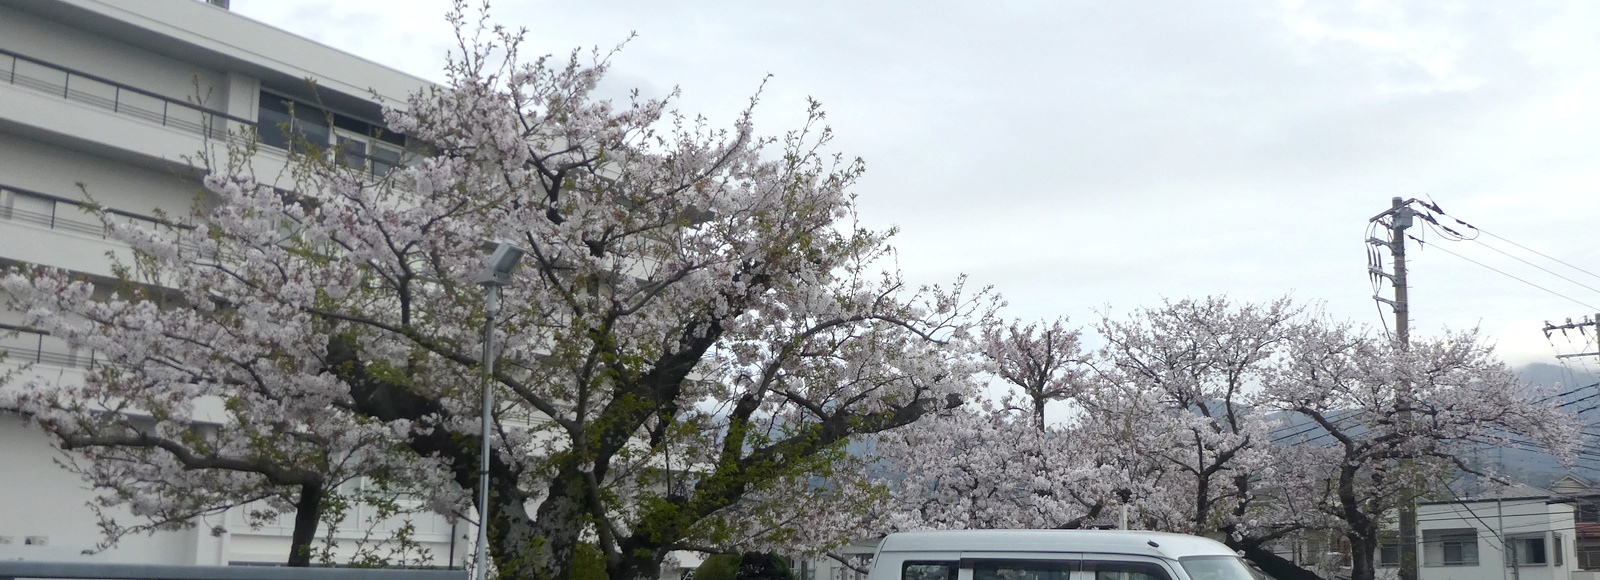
x=1436, y=546
x=1523, y=547
x=335, y=127
x=1386, y=546
x=953, y=566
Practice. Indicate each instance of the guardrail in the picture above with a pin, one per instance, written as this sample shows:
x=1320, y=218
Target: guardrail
x=12, y=570
x=94, y=90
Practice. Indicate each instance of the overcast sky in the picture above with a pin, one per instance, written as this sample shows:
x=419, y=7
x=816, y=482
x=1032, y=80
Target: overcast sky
x=1084, y=156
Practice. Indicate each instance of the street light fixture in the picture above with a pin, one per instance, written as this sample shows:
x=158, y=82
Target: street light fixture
x=496, y=273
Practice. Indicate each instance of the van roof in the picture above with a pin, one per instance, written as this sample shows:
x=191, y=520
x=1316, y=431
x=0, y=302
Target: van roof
x=1158, y=544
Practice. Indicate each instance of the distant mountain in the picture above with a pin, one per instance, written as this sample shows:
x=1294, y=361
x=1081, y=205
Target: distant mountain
x=1549, y=375
x=1579, y=392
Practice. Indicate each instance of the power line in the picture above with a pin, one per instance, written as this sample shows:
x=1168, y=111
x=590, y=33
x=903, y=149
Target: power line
x=1314, y=425
x=1581, y=360
x=1339, y=416
x=1559, y=395
x=1440, y=248
x=1540, y=254
x=1541, y=268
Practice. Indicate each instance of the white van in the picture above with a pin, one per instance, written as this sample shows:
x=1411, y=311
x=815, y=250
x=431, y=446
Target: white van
x=1054, y=555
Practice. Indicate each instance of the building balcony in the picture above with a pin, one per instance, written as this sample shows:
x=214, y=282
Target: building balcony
x=48, y=78
x=39, y=228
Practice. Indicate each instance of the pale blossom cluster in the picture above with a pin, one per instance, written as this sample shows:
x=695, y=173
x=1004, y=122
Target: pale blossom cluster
x=1207, y=416
x=699, y=322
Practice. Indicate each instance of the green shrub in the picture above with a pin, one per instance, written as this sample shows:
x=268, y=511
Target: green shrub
x=588, y=562
x=719, y=567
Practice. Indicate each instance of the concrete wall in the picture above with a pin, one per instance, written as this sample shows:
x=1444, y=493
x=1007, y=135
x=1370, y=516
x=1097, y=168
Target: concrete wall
x=71, y=238
x=43, y=501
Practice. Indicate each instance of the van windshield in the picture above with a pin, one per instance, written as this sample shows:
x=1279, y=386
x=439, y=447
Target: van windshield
x=1216, y=568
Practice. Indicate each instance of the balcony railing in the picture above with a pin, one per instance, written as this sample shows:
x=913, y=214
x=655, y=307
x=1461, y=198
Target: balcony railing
x=81, y=87
x=26, y=345
x=60, y=213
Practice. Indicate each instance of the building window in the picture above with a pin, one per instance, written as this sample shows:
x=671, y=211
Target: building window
x=286, y=124
x=367, y=146
x=1450, y=547
x=1527, y=552
x=292, y=125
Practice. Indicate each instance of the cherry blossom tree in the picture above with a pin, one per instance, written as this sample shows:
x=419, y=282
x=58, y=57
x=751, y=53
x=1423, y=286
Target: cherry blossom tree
x=1203, y=361
x=998, y=463
x=1198, y=358
x=1254, y=421
x=991, y=467
x=1044, y=361
x=1159, y=420
x=1349, y=386
x=699, y=322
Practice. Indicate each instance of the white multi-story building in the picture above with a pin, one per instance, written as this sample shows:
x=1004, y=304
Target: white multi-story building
x=109, y=99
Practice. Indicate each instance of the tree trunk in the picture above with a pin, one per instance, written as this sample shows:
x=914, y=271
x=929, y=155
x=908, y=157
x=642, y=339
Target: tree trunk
x=1038, y=413
x=1274, y=565
x=307, y=513
x=1362, y=556
x=544, y=547
x=638, y=565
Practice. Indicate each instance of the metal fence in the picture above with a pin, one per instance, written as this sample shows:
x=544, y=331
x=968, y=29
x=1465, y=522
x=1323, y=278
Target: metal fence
x=73, y=85
x=11, y=570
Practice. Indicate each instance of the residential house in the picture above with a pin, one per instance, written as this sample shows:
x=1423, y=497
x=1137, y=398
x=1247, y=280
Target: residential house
x=1515, y=535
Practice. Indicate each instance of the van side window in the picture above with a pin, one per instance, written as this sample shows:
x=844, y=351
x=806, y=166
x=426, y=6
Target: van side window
x=928, y=570
x=1023, y=569
x=1103, y=570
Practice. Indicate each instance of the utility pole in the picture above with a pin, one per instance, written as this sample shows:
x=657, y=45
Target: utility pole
x=1401, y=216
x=1579, y=326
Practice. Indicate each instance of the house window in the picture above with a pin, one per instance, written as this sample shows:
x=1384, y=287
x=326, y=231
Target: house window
x=1589, y=513
x=1527, y=552
x=1389, y=553
x=1588, y=553
x=1450, y=547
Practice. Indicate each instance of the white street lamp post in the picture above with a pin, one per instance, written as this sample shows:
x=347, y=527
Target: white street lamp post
x=495, y=274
